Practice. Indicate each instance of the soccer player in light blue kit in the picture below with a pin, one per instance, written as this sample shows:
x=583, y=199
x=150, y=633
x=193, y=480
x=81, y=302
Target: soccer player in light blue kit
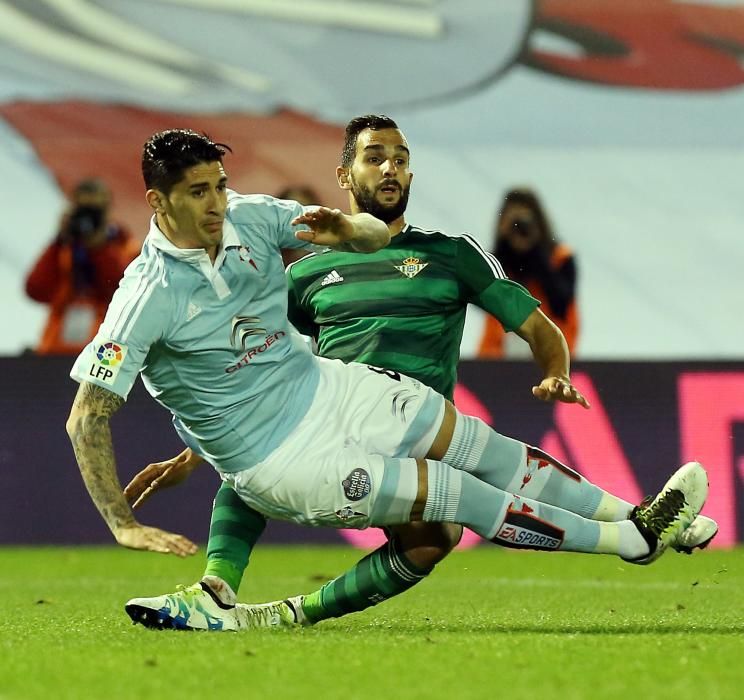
x=201, y=314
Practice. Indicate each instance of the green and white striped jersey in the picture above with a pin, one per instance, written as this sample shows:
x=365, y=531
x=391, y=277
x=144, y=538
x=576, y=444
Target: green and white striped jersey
x=403, y=307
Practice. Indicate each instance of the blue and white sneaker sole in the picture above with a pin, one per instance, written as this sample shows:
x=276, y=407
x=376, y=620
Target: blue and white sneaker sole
x=155, y=619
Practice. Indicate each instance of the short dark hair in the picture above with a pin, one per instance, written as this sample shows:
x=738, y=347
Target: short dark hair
x=355, y=127
x=168, y=153
x=91, y=185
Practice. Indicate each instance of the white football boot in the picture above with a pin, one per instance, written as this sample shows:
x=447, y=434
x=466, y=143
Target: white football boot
x=189, y=608
x=663, y=521
x=697, y=536
x=280, y=613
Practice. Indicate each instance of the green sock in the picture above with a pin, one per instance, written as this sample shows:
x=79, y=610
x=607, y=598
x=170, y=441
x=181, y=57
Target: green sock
x=382, y=574
x=233, y=531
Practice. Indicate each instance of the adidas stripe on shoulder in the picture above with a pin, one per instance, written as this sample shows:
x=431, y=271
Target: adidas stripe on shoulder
x=135, y=302
x=489, y=258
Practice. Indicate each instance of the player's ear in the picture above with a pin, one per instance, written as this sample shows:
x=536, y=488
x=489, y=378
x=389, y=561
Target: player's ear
x=342, y=175
x=156, y=200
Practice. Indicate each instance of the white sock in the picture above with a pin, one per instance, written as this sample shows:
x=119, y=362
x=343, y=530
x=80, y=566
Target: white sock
x=612, y=509
x=632, y=544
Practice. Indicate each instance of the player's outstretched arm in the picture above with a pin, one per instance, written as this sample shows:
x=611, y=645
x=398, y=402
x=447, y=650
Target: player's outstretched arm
x=161, y=475
x=90, y=434
x=360, y=233
x=550, y=351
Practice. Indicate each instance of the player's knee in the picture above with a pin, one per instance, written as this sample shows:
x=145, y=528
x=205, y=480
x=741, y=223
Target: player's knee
x=452, y=533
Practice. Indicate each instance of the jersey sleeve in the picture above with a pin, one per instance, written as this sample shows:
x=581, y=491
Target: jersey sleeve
x=288, y=210
x=485, y=284
x=133, y=323
x=274, y=216
x=300, y=317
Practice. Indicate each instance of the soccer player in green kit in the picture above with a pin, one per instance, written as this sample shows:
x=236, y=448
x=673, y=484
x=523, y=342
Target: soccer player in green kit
x=401, y=308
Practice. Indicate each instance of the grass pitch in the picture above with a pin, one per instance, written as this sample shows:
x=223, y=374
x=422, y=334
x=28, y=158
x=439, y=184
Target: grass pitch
x=489, y=623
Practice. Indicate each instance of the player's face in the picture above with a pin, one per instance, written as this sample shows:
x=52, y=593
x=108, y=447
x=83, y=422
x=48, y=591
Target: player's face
x=194, y=211
x=379, y=177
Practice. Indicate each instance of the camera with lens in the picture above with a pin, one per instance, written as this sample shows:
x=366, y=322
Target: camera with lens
x=84, y=222
x=523, y=226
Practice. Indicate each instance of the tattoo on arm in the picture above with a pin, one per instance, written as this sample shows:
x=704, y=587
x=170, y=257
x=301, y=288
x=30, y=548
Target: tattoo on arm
x=89, y=431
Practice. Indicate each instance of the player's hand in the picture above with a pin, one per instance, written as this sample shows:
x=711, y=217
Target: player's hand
x=160, y=475
x=329, y=227
x=559, y=389
x=151, y=539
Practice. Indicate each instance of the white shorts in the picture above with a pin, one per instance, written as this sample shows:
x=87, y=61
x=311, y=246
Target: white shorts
x=329, y=470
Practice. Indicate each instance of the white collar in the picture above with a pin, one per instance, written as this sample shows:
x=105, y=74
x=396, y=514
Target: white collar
x=192, y=255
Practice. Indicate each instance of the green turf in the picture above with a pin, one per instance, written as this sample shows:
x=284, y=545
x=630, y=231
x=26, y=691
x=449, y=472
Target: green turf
x=489, y=623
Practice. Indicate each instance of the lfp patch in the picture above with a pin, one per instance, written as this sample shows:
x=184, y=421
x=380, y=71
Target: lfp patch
x=108, y=359
x=110, y=354
x=357, y=485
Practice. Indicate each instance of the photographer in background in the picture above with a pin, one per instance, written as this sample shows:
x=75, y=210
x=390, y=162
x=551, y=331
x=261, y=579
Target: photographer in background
x=531, y=255
x=79, y=272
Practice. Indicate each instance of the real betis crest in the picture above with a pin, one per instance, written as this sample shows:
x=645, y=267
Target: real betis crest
x=411, y=267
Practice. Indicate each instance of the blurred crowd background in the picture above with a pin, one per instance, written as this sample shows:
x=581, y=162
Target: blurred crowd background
x=625, y=119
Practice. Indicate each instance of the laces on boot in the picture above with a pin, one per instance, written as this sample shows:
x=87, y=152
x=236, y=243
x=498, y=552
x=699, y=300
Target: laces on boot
x=270, y=615
x=658, y=516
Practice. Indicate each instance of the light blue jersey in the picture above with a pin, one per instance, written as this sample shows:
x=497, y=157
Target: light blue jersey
x=212, y=342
